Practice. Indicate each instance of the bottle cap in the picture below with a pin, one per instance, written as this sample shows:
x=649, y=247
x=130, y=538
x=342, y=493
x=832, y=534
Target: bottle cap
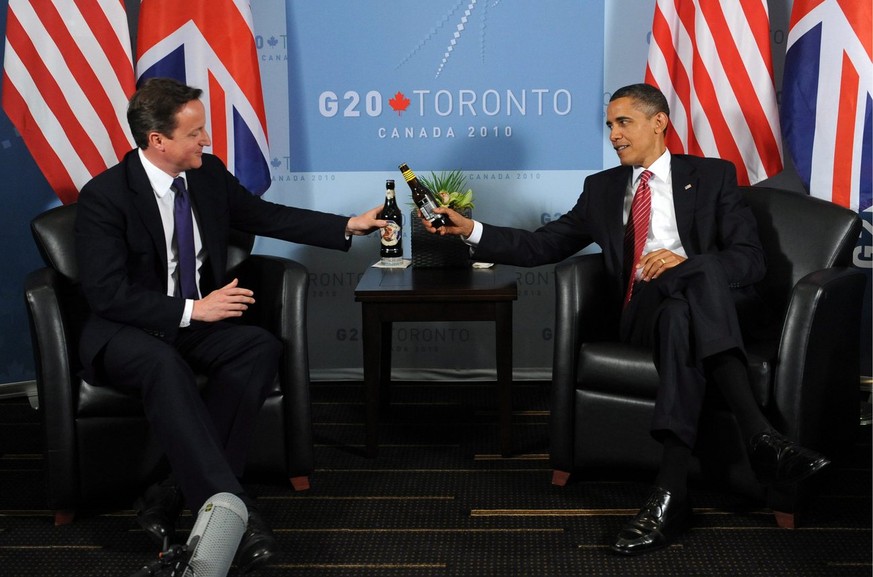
x=389, y=183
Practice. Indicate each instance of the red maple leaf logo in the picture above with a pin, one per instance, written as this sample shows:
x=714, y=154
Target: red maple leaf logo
x=399, y=103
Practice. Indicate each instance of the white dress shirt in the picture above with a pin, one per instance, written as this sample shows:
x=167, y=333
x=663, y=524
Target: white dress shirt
x=161, y=185
x=663, y=229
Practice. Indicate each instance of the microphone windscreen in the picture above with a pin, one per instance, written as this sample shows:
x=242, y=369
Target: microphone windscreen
x=216, y=535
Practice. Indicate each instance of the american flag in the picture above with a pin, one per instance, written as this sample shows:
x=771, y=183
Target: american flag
x=67, y=79
x=210, y=44
x=826, y=99
x=712, y=61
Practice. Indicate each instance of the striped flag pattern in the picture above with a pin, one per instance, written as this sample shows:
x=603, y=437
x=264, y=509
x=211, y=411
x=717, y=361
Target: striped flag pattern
x=826, y=99
x=210, y=44
x=68, y=75
x=712, y=61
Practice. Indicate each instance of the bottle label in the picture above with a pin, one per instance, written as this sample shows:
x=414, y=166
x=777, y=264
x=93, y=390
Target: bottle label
x=427, y=209
x=391, y=234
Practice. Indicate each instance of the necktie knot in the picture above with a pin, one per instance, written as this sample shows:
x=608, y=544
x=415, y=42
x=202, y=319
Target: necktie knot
x=179, y=186
x=643, y=180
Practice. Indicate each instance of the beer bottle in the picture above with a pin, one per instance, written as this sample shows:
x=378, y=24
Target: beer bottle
x=423, y=198
x=391, y=237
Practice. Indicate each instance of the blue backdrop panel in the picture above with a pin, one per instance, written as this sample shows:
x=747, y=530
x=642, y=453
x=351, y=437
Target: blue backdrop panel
x=472, y=84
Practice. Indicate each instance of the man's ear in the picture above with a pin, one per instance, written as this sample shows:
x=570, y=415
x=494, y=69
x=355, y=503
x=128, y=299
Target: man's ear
x=661, y=122
x=156, y=140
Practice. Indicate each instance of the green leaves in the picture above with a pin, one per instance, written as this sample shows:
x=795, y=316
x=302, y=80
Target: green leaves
x=447, y=187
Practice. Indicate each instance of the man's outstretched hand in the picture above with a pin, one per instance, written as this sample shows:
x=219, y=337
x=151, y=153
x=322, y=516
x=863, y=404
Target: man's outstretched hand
x=458, y=224
x=365, y=223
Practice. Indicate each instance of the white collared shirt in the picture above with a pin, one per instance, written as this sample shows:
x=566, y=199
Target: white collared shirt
x=165, y=197
x=663, y=229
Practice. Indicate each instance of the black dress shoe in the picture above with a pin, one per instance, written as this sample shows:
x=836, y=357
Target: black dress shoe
x=258, y=543
x=661, y=520
x=157, y=511
x=779, y=461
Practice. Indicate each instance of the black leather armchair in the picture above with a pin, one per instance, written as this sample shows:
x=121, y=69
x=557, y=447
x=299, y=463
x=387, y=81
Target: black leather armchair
x=97, y=443
x=804, y=369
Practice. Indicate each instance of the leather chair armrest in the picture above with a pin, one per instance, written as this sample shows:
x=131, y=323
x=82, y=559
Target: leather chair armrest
x=43, y=290
x=580, y=286
x=281, y=289
x=817, y=375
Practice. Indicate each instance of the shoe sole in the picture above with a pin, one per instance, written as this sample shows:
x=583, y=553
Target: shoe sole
x=258, y=563
x=817, y=466
x=682, y=527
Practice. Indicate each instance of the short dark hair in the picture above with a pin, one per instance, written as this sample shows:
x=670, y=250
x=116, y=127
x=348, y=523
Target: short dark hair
x=645, y=96
x=154, y=105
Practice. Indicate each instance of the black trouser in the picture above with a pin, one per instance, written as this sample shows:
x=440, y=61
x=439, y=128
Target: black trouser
x=685, y=315
x=205, y=434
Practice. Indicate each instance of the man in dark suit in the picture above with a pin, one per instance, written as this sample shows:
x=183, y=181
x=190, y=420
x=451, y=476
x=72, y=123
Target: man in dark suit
x=681, y=248
x=160, y=305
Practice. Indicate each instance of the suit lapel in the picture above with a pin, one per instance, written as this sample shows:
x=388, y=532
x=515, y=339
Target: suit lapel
x=147, y=207
x=618, y=184
x=207, y=222
x=685, y=188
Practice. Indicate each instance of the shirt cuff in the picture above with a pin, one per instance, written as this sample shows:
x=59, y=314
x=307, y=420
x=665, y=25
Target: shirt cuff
x=475, y=236
x=186, y=314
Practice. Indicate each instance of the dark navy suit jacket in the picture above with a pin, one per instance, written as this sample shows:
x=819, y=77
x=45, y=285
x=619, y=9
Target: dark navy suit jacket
x=122, y=253
x=711, y=215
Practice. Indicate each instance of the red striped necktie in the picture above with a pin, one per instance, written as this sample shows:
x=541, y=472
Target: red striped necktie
x=637, y=230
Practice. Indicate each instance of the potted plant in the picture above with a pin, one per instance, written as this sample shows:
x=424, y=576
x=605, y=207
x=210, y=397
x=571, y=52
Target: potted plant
x=434, y=250
x=447, y=187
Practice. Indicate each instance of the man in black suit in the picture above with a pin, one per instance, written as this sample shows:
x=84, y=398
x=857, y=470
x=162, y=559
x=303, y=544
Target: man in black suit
x=160, y=306
x=697, y=255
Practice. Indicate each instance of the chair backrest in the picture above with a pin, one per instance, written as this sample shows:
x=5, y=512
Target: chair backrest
x=800, y=234
x=54, y=233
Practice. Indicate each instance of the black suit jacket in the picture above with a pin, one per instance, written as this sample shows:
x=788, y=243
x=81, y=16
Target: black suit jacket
x=711, y=215
x=122, y=253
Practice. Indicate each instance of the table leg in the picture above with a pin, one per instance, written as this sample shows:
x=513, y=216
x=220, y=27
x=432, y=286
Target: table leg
x=385, y=368
x=503, y=333
x=371, y=334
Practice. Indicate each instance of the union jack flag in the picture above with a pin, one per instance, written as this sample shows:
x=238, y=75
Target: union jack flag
x=67, y=78
x=210, y=44
x=826, y=99
x=712, y=61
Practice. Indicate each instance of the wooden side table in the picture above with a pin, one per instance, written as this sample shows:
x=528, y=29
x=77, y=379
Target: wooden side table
x=430, y=295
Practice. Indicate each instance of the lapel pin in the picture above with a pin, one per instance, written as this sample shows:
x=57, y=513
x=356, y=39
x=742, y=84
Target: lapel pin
x=687, y=186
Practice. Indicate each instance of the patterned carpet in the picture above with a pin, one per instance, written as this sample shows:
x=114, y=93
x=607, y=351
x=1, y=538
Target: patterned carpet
x=439, y=501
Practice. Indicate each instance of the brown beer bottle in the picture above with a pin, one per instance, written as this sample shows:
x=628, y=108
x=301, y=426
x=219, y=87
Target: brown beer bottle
x=391, y=237
x=423, y=198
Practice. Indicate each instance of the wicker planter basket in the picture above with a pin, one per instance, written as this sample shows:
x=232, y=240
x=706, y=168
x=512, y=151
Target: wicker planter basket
x=437, y=251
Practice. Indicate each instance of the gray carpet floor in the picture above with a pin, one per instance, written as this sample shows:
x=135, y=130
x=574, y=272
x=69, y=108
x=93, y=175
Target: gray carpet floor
x=439, y=501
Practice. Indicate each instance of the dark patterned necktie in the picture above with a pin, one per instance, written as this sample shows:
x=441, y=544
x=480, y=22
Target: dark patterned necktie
x=637, y=230
x=184, y=223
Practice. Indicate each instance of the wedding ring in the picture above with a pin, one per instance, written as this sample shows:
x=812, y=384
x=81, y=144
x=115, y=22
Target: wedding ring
x=663, y=261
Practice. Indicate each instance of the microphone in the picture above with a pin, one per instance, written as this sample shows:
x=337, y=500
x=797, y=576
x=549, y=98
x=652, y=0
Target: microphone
x=216, y=535
x=212, y=544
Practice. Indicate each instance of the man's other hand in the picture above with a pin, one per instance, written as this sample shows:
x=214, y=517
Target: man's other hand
x=229, y=301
